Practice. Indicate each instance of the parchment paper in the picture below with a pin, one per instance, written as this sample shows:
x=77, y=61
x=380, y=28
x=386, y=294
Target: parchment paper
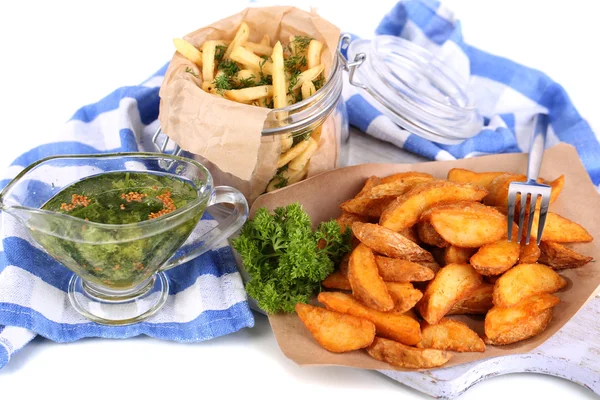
x=225, y=135
x=322, y=194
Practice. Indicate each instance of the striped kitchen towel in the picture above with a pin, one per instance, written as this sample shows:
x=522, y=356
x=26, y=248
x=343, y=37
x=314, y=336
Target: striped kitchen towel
x=507, y=94
x=206, y=298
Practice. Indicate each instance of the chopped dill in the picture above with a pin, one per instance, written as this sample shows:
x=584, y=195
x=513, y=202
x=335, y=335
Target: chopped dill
x=229, y=67
x=300, y=43
x=220, y=53
x=265, y=80
x=223, y=82
x=245, y=83
x=301, y=137
x=319, y=82
x=191, y=71
x=281, y=180
x=294, y=63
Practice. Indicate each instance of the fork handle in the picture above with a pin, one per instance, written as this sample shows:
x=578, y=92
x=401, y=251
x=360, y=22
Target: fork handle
x=536, y=149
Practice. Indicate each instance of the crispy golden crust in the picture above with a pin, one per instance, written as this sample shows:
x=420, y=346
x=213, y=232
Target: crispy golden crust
x=482, y=179
x=526, y=280
x=529, y=253
x=399, y=327
x=452, y=283
x=405, y=356
x=558, y=256
x=458, y=255
x=450, y=335
x=495, y=258
x=335, y=331
x=398, y=270
x=478, y=302
x=337, y=280
x=429, y=235
x=405, y=296
x=367, y=285
x=524, y=330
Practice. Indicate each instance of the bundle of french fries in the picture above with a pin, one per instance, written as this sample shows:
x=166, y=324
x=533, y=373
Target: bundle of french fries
x=257, y=74
x=425, y=249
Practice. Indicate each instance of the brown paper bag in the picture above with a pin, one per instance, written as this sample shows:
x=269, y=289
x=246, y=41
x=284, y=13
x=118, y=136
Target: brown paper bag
x=224, y=135
x=322, y=195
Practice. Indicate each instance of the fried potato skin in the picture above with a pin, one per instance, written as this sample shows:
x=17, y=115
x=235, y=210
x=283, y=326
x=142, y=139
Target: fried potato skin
x=496, y=258
x=452, y=283
x=411, y=234
x=398, y=184
x=397, y=270
x=368, y=207
x=335, y=331
x=557, y=256
x=399, y=327
x=346, y=220
x=524, y=330
x=498, y=189
x=525, y=280
x=478, y=302
x=389, y=243
x=561, y=230
x=405, y=296
x=367, y=285
x=529, y=253
x=511, y=324
x=399, y=355
x=429, y=235
x=468, y=224
x=450, y=335
x=337, y=280
x=482, y=179
x=458, y=255
x=405, y=211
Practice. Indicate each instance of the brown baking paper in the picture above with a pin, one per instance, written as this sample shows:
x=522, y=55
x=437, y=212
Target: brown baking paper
x=225, y=135
x=322, y=195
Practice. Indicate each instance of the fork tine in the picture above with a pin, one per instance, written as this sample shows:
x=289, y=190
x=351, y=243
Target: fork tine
x=532, y=203
x=512, y=198
x=543, y=214
x=522, y=214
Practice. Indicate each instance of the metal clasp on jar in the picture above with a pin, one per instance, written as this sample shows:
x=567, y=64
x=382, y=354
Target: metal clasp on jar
x=350, y=66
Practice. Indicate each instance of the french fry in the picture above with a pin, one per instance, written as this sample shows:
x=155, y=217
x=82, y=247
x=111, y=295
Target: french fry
x=335, y=331
x=397, y=270
x=260, y=49
x=522, y=321
x=307, y=89
x=208, y=86
x=404, y=295
x=289, y=176
x=399, y=327
x=496, y=258
x=389, y=243
x=478, y=302
x=367, y=285
x=429, y=235
x=279, y=81
x=286, y=143
x=557, y=256
x=337, y=280
x=406, y=209
x=292, y=153
x=452, y=283
x=458, y=255
x=266, y=41
x=249, y=94
x=529, y=253
x=316, y=133
x=397, y=354
x=239, y=39
x=251, y=61
x=468, y=224
x=302, y=159
x=262, y=102
x=526, y=280
x=189, y=51
x=208, y=60
x=308, y=75
x=313, y=53
x=450, y=335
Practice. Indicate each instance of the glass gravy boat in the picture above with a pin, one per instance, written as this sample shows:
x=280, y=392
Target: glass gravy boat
x=119, y=268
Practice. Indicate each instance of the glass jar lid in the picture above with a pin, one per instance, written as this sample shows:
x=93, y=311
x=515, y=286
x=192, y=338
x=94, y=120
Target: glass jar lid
x=414, y=88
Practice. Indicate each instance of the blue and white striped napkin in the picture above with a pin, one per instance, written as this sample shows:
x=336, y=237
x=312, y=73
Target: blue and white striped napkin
x=206, y=298
x=507, y=94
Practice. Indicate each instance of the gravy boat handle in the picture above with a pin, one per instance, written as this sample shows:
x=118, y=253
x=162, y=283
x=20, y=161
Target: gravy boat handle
x=225, y=228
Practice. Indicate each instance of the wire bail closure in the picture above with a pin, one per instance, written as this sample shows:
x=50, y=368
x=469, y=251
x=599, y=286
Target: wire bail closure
x=350, y=66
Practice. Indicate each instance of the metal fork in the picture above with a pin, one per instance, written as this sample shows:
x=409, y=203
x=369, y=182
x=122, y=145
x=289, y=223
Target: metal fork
x=531, y=189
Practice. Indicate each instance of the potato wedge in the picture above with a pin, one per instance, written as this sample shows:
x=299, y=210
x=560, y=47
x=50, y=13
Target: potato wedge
x=498, y=189
x=411, y=234
x=458, y=255
x=406, y=209
x=496, y=258
x=522, y=321
x=452, y=283
x=346, y=220
x=526, y=280
x=389, y=243
x=405, y=296
x=429, y=235
x=482, y=179
x=468, y=224
x=399, y=327
x=529, y=253
x=397, y=270
x=560, y=229
x=557, y=187
x=407, y=178
x=189, y=51
x=478, y=302
x=398, y=184
x=367, y=285
x=368, y=207
x=557, y=256
x=450, y=335
x=371, y=182
x=343, y=266
x=337, y=280
x=399, y=355
x=335, y=331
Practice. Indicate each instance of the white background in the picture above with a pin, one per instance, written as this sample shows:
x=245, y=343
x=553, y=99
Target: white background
x=59, y=55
